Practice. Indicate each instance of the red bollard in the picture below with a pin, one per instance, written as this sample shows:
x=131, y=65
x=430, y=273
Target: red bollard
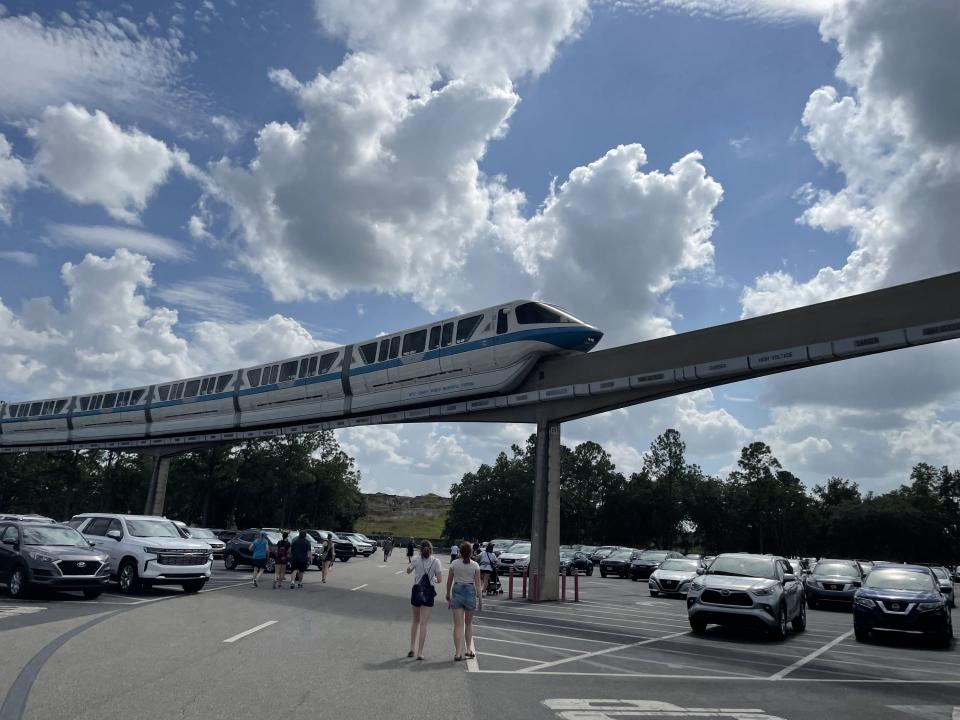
x=510, y=591
x=536, y=588
x=563, y=587
x=524, y=595
x=576, y=586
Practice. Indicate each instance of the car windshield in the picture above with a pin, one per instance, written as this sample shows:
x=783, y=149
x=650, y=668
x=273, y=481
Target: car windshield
x=895, y=579
x=152, y=528
x=567, y=555
x=321, y=535
x=501, y=544
x=654, y=555
x=680, y=565
x=201, y=534
x=743, y=567
x=588, y=549
x=841, y=569
x=520, y=549
x=620, y=555
x=941, y=572
x=62, y=536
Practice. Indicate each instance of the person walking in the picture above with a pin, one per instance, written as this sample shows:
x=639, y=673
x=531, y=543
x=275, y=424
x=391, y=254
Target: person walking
x=427, y=573
x=410, y=551
x=299, y=558
x=260, y=548
x=387, y=547
x=327, y=555
x=488, y=561
x=464, y=598
x=454, y=551
x=283, y=554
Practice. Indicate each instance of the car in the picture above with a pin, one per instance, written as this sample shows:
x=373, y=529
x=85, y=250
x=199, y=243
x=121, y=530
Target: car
x=832, y=581
x=673, y=577
x=603, y=551
x=517, y=558
x=210, y=538
x=587, y=550
x=692, y=556
x=572, y=561
x=227, y=535
x=740, y=589
x=360, y=547
x=364, y=538
x=865, y=566
x=52, y=556
x=706, y=560
x=649, y=560
x=26, y=518
x=945, y=580
x=617, y=563
x=343, y=550
x=239, y=551
x=147, y=550
x=501, y=545
x=902, y=598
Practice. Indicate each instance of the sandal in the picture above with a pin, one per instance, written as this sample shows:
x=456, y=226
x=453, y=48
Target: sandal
x=419, y=657
x=457, y=658
x=470, y=656
x=410, y=654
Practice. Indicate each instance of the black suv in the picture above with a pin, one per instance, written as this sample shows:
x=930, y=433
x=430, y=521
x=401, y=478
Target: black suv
x=343, y=550
x=50, y=555
x=239, y=551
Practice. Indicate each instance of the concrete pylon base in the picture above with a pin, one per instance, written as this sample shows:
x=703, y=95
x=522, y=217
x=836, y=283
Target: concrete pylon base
x=157, y=493
x=545, y=525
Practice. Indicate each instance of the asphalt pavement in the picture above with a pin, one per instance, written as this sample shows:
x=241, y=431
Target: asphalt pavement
x=338, y=650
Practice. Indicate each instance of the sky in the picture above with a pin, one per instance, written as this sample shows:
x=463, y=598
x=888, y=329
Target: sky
x=190, y=187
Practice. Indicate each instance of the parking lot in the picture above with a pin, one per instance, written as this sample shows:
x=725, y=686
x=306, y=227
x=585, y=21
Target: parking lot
x=338, y=650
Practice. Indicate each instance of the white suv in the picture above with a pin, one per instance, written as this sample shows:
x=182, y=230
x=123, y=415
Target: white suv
x=147, y=550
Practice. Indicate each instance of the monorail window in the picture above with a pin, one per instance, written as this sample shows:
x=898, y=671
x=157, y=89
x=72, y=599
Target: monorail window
x=326, y=362
x=203, y=386
x=179, y=391
x=369, y=353
x=312, y=368
x=12, y=411
x=434, y=337
x=273, y=373
x=45, y=409
x=85, y=403
x=163, y=392
x=394, y=347
x=253, y=377
x=35, y=409
x=384, y=350
x=222, y=382
x=109, y=400
x=61, y=404
x=534, y=313
x=191, y=388
x=288, y=371
x=414, y=342
x=97, y=402
x=502, y=321
x=122, y=399
x=304, y=364
x=446, y=337
x=466, y=328
x=24, y=410
x=136, y=396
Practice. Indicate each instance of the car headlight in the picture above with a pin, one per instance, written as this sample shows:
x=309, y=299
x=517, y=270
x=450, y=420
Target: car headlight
x=864, y=602
x=41, y=557
x=930, y=606
x=697, y=585
x=153, y=551
x=812, y=583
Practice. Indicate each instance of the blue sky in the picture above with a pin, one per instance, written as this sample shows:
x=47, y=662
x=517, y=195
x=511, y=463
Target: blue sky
x=321, y=172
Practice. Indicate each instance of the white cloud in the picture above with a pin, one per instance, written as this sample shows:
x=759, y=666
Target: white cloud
x=105, y=237
x=13, y=177
x=208, y=298
x=93, y=161
x=99, y=62
x=764, y=10
x=27, y=259
x=230, y=128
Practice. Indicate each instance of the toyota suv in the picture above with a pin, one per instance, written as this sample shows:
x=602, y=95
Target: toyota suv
x=147, y=550
x=48, y=555
x=747, y=590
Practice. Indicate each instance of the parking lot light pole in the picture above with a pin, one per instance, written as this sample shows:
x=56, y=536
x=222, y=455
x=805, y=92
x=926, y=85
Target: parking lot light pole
x=545, y=525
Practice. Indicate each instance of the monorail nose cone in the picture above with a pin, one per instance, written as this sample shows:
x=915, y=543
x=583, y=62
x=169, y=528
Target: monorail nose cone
x=591, y=338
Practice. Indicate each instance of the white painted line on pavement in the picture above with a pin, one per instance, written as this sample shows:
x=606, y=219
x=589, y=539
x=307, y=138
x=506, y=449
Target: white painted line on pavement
x=251, y=631
x=554, y=663
x=472, y=665
x=812, y=656
x=359, y=587
x=379, y=566
x=513, y=631
x=509, y=657
x=399, y=572
x=528, y=644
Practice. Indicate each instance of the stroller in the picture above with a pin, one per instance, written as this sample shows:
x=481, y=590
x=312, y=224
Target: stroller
x=494, y=586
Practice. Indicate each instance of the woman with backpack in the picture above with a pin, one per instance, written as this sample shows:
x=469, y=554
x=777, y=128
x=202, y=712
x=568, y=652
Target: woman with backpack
x=464, y=598
x=427, y=572
x=327, y=555
x=283, y=552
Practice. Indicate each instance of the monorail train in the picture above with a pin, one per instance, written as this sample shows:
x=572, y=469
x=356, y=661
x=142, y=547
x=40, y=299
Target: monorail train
x=483, y=352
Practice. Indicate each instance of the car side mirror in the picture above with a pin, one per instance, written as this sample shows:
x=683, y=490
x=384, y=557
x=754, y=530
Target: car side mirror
x=857, y=583
x=91, y=543
x=789, y=577
x=699, y=571
x=115, y=534
x=9, y=541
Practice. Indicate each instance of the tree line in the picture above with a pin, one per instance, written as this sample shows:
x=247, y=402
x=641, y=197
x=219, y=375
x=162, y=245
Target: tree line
x=290, y=481
x=670, y=503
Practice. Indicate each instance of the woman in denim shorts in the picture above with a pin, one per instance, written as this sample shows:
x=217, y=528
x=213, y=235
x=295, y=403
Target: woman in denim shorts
x=465, y=598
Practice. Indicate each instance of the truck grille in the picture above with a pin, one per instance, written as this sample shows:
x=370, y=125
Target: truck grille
x=79, y=567
x=740, y=599
x=669, y=584
x=185, y=559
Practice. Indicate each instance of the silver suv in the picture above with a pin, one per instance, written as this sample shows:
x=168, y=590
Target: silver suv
x=747, y=590
x=146, y=550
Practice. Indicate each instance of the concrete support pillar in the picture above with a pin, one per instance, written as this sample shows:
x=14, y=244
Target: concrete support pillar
x=545, y=527
x=157, y=493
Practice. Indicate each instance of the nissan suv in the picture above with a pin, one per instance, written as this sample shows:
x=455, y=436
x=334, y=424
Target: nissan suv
x=147, y=550
x=747, y=590
x=49, y=555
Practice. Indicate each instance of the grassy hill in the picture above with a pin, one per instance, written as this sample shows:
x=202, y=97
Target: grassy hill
x=417, y=517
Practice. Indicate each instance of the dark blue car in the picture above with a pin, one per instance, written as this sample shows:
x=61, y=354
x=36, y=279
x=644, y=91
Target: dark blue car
x=905, y=598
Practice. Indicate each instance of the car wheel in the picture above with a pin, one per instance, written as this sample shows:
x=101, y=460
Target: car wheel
x=861, y=634
x=800, y=621
x=92, y=594
x=603, y=573
x=654, y=593
x=230, y=561
x=271, y=565
x=698, y=626
x=193, y=586
x=590, y=571
x=780, y=631
x=127, y=577
x=345, y=558
x=17, y=584
x=811, y=603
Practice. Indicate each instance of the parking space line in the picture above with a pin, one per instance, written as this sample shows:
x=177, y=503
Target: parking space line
x=569, y=627
x=509, y=657
x=584, y=656
x=514, y=631
x=879, y=656
x=587, y=621
x=399, y=572
x=592, y=612
x=359, y=587
x=528, y=644
x=671, y=665
x=812, y=656
x=251, y=631
x=558, y=614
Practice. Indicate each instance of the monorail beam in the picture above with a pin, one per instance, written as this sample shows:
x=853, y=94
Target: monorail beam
x=545, y=524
